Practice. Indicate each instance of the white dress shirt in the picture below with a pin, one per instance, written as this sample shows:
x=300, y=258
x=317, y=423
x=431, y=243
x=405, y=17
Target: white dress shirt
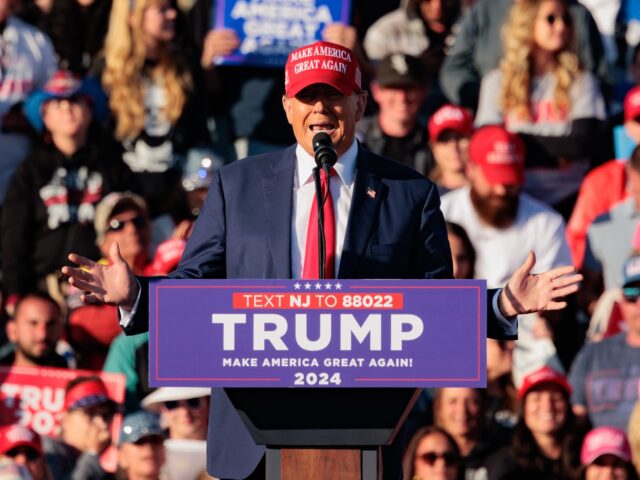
x=304, y=191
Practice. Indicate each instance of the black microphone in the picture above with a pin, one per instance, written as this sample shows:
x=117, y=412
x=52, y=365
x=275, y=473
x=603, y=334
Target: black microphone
x=324, y=151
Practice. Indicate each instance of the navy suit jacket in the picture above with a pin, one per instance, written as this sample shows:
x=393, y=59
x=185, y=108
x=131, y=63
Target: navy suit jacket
x=244, y=231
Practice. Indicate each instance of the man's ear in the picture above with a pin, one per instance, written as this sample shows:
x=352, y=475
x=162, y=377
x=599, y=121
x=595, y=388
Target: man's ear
x=10, y=328
x=362, y=104
x=286, y=105
x=375, y=88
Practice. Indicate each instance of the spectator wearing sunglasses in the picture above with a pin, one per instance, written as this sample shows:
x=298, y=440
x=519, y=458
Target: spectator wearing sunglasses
x=123, y=218
x=141, y=453
x=478, y=48
x=23, y=446
x=546, y=441
x=606, y=454
x=120, y=218
x=50, y=203
x=432, y=454
x=605, y=374
x=184, y=411
x=541, y=93
x=85, y=431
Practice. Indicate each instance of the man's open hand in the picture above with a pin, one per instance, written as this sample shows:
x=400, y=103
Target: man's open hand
x=528, y=293
x=113, y=284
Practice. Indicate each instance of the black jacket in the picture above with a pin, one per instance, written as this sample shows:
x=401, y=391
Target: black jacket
x=50, y=205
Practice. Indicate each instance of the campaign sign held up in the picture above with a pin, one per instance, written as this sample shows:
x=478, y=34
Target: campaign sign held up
x=270, y=29
x=328, y=333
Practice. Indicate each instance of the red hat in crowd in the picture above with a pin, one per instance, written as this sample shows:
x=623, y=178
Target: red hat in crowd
x=450, y=117
x=543, y=375
x=605, y=441
x=13, y=436
x=632, y=104
x=86, y=394
x=322, y=62
x=500, y=155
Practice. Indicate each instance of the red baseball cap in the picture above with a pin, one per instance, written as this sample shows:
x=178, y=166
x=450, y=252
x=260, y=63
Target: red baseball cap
x=12, y=436
x=500, y=155
x=543, y=375
x=450, y=117
x=87, y=394
x=322, y=62
x=632, y=104
x=602, y=441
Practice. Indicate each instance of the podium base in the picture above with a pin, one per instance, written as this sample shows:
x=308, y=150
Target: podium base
x=322, y=464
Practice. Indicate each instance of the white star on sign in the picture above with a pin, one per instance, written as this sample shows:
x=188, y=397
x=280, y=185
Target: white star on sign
x=338, y=286
x=296, y=286
x=318, y=286
x=307, y=286
x=327, y=286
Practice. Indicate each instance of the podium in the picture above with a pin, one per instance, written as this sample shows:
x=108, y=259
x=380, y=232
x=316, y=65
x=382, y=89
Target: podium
x=323, y=433
x=325, y=374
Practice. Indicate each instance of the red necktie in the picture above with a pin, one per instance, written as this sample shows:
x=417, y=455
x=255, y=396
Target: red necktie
x=310, y=269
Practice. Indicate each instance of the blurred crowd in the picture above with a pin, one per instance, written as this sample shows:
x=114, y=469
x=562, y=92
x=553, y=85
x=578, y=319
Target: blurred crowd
x=116, y=114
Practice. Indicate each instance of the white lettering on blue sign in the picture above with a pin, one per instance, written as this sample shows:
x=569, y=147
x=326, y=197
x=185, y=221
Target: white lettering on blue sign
x=269, y=24
x=271, y=328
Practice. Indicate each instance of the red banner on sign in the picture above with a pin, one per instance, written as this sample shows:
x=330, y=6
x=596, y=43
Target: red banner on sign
x=317, y=301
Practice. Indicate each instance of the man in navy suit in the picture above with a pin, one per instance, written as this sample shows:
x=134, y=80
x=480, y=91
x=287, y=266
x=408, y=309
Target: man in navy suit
x=254, y=224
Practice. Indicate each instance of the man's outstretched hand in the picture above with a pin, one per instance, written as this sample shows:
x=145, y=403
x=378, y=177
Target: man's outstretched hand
x=112, y=284
x=527, y=293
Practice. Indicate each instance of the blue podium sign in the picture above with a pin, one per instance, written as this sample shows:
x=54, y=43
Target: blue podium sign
x=329, y=333
x=270, y=29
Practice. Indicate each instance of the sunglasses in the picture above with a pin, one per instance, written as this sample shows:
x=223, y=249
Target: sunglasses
x=28, y=452
x=116, y=225
x=106, y=414
x=191, y=403
x=430, y=458
x=631, y=294
x=552, y=17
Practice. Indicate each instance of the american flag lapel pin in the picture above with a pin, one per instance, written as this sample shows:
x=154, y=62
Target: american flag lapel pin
x=371, y=193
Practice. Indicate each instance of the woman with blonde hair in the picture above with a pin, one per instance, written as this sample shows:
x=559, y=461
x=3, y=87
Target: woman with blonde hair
x=541, y=92
x=152, y=86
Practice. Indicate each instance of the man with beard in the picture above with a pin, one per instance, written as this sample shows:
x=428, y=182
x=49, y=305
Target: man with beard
x=34, y=332
x=504, y=223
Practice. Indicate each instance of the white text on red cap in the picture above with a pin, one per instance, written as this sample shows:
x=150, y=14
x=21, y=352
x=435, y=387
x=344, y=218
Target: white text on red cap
x=316, y=65
x=446, y=114
x=320, y=51
x=20, y=434
x=504, y=153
